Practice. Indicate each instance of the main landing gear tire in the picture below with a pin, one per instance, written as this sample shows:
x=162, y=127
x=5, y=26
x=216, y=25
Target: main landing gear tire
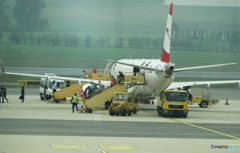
x=56, y=101
x=90, y=111
x=204, y=104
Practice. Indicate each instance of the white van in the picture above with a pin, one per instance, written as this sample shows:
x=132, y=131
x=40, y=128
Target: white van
x=49, y=86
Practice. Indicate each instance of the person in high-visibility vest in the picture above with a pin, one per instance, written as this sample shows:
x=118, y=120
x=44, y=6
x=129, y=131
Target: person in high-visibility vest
x=74, y=101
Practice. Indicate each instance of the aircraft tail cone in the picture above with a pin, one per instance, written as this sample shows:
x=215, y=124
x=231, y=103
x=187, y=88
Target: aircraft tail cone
x=227, y=101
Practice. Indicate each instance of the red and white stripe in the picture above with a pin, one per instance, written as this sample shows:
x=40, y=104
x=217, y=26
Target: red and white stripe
x=167, y=38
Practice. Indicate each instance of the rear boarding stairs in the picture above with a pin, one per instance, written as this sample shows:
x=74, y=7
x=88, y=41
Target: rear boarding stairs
x=107, y=94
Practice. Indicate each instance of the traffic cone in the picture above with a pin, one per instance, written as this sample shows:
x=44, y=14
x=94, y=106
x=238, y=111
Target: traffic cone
x=226, y=101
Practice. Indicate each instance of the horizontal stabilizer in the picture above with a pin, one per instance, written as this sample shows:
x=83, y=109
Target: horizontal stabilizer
x=200, y=67
x=138, y=66
x=176, y=85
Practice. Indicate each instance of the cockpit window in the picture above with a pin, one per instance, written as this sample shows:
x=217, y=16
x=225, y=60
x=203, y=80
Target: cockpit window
x=120, y=97
x=176, y=96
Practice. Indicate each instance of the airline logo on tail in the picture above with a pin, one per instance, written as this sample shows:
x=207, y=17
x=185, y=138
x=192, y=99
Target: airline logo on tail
x=166, y=44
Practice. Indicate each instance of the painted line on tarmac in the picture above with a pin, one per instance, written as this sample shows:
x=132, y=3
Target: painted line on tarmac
x=69, y=146
x=117, y=147
x=205, y=129
x=199, y=127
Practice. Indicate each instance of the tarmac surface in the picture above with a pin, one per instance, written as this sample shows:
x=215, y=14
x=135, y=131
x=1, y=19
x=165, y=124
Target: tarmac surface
x=40, y=126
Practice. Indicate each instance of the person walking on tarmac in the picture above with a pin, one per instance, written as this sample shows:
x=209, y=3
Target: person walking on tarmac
x=74, y=101
x=94, y=69
x=22, y=93
x=2, y=94
x=5, y=93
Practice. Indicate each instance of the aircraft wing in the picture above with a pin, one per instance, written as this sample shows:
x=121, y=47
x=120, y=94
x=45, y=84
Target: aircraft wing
x=138, y=66
x=53, y=77
x=57, y=77
x=200, y=67
x=176, y=85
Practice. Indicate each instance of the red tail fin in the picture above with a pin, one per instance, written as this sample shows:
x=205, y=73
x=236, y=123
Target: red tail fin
x=167, y=38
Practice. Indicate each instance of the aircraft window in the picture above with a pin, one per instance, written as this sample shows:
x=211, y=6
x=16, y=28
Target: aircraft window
x=176, y=96
x=120, y=97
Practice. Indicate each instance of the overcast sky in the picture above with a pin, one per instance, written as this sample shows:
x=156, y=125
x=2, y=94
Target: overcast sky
x=235, y=3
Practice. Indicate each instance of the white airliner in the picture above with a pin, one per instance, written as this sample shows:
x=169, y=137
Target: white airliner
x=158, y=73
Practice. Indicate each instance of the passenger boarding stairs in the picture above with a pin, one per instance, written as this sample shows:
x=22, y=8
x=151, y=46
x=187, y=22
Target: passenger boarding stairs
x=67, y=92
x=107, y=94
x=104, y=96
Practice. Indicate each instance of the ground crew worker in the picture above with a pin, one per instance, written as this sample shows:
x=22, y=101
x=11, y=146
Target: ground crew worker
x=121, y=77
x=5, y=93
x=135, y=71
x=74, y=101
x=94, y=69
x=114, y=79
x=182, y=97
x=112, y=82
x=100, y=86
x=68, y=83
x=84, y=74
x=22, y=94
x=45, y=92
x=2, y=94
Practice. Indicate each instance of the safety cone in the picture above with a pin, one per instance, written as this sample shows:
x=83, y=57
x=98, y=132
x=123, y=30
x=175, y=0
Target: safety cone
x=226, y=101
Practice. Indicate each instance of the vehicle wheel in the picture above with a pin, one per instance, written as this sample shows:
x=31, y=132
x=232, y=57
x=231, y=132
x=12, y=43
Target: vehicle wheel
x=90, y=111
x=162, y=113
x=159, y=111
x=134, y=110
x=117, y=114
x=41, y=97
x=152, y=102
x=130, y=113
x=185, y=116
x=204, y=104
x=124, y=112
x=56, y=101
